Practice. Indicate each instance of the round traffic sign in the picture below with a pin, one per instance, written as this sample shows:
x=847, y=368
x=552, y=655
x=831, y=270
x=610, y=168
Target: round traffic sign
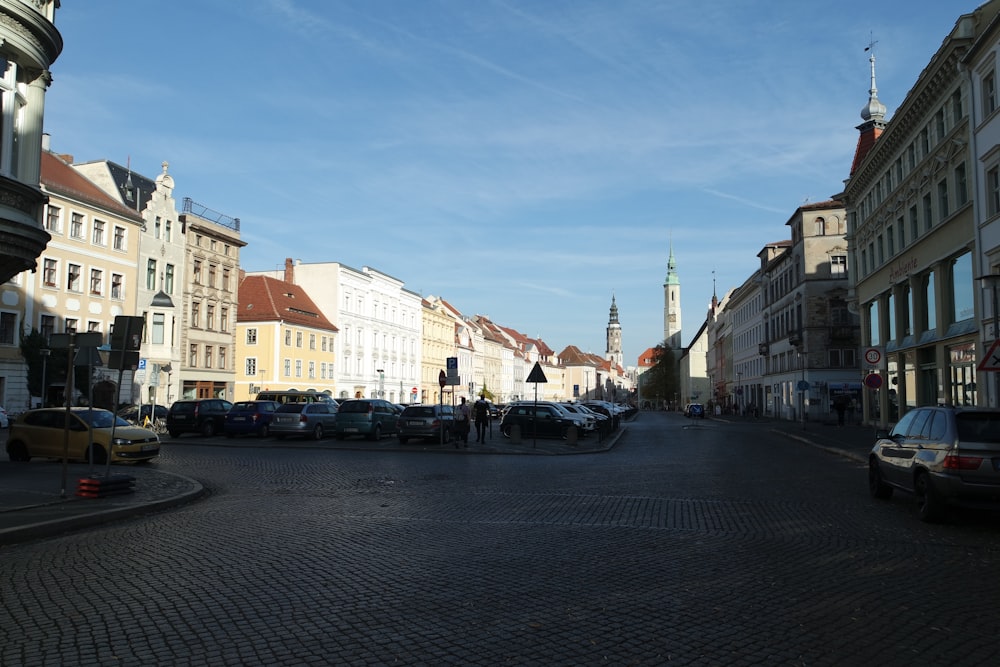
x=873, y=380
x=873, y=355
x=442, y=379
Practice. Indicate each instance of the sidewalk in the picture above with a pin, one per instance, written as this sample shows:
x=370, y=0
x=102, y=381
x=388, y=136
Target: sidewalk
x=35, y=502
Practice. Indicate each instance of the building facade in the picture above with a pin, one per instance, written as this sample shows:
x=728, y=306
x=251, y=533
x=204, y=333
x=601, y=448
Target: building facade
x=29, y=44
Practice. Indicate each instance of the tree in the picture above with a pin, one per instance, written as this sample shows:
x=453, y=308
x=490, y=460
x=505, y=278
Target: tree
x=661, y=381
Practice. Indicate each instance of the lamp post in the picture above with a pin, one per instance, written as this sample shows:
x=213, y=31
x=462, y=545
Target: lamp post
x=990, y=280
x=739, y=392
x=45, y=352
x=381, y=382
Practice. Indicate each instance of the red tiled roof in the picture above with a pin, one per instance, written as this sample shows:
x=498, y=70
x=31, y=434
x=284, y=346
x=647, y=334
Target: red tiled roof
x=266, y=299
x=59, y=177
x=866, y=140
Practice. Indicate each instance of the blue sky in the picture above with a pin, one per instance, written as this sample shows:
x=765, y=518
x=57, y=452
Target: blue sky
x=523, y=159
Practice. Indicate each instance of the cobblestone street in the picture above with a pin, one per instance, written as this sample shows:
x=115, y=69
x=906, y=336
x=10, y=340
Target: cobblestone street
x=702, y=543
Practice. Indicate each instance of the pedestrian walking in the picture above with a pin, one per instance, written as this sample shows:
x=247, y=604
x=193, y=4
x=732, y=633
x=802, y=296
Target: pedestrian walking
x=462, y=424
x=481, y=411
x=840, y=405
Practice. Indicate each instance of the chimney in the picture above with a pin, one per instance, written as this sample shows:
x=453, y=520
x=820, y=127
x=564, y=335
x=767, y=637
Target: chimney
x=289, y=271
x=46, y=141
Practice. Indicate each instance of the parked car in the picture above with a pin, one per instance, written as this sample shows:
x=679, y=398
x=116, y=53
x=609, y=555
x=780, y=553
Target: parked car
x=945, y=456
x=429, y=422
x=250, y=417
x=695, y=411
x=589, y=417
x=4, y=420
x=42, y=433
x=206, y=416
x=370, y=417
x=295, y=396
x=541, y=420
x=137, y=414
x=309, y=420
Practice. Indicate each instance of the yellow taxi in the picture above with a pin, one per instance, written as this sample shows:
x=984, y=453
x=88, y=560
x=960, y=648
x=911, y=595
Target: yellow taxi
x=41, y=433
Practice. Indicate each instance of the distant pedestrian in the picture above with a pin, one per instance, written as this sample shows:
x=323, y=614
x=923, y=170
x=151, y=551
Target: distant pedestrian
x=840, y=405
x=462, y=422
x=481, y=411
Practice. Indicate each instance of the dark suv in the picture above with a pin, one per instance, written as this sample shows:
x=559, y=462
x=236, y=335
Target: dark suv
x=206, y=416
x=430, y=422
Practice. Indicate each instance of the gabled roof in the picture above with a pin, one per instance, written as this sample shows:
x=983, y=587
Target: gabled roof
x=266, y=299
x=574, y=356
x=59, y=177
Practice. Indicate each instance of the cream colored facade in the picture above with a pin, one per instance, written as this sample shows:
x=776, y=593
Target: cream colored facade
x=209, y=302
x=280, y=356
x=437, y=344
x=912, y=236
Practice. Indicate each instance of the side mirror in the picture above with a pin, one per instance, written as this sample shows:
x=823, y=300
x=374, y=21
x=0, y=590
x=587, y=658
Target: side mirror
x=882, y=434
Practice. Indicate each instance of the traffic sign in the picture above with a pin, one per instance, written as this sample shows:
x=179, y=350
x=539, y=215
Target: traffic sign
x=442, y=379
x=873, y=380
x=803, y=385
x=991, y=362
x=873, y=355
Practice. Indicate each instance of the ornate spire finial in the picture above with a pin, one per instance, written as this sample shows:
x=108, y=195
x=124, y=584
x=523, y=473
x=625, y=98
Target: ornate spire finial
x=874, y=110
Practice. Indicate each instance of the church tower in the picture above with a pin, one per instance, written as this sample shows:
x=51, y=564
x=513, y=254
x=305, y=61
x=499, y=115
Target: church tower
x=672, y=305
x=613, y=352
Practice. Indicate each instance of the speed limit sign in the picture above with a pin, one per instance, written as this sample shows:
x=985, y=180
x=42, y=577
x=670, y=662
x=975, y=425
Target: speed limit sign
x=873, y=356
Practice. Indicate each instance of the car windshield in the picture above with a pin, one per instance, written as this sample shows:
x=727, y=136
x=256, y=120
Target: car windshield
x=100, y=418
x=978, y=426
x=291, y=407
x=355, y=406
x=423, y=411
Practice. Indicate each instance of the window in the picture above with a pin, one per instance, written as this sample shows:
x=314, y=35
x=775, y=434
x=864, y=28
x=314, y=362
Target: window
x=49, y=272
x=210, y=317
x=914, y=224
x=222, y=358
x=312, y=341
x=119, y=238
x=901, y=233
x=208, y=356
x=93, y=327
x=943, y=200
x=195, y=312
x=223, y=319
x=288, y=337
x=961, y=186
x=47, y=325
x=928, y=213
x=71, y=324
x=169, y=285
x=73, y=273
x=874, y=335
x=98, y=238
x=157, y=227
x=96, y=282
x=323, y=343
x=288, y=367
x=993, y=191
x=251, y=336
x=250, y=367
x=962, y=288
x=52, y=219
x=117, y=290
x=298, y=368
x=298, y=339
x=956, y=107
x=166, y=231
x=76, y=226
x=193, y=355
x=158, y=328
x=196, y=268
x=312, y=370
x=151, y=274
x=211, y=275
x=931, y=300
x=8, y=325
x=989, y=93
x=225, y=278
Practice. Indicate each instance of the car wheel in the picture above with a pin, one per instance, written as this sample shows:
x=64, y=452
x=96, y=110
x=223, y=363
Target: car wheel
x=876, y=486
x=99, y=455
x=376, y=433
x=505, y=431
x=264, y=431
x=17, y=451
x=318, y=432
x=930, y=507
x=208, y=429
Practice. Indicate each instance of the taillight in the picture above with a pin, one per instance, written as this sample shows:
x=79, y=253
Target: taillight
x=435, y=423
x=957, y=462
x=303, y=418
x=256, y=416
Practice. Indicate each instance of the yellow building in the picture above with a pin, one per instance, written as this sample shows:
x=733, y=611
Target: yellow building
x=437, y=344
x=283, y=341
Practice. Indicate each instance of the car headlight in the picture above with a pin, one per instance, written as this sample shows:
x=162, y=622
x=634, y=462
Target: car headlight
x=121, y=442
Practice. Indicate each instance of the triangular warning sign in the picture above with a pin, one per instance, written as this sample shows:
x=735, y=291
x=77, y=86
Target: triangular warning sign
x=537, y=375
x=991, y=362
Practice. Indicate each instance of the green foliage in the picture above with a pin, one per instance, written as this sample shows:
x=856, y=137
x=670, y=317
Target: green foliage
x=662, y=380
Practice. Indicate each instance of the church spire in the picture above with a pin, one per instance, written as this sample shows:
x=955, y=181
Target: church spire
x=613, y=351
x=873, y=115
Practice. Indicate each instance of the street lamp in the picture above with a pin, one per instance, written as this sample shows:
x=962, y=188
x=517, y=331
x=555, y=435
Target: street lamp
x=739, y=392
x=381, y=382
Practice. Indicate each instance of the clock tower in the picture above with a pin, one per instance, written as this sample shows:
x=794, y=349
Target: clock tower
x=672, y=305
